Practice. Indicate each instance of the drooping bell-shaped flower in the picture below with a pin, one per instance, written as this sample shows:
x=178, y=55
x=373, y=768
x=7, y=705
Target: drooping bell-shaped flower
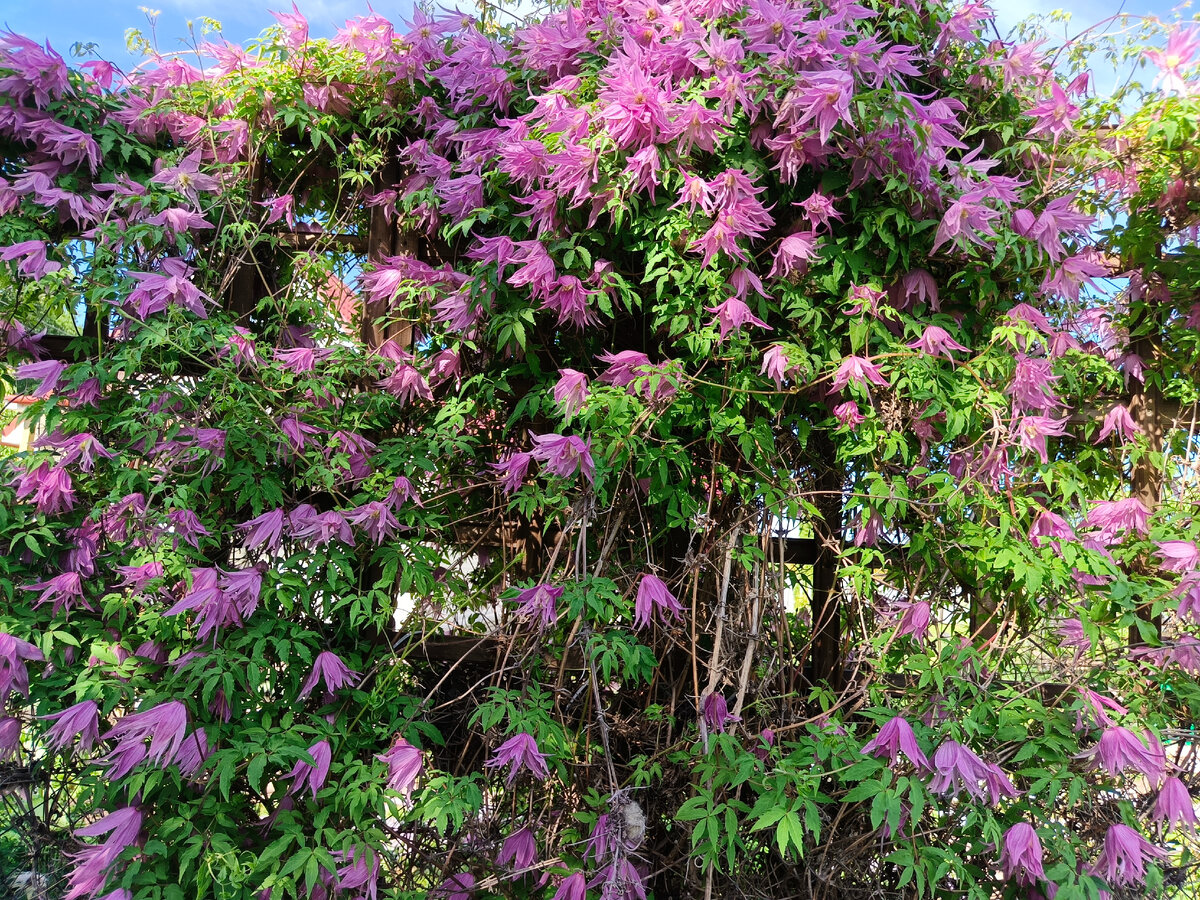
x=311, y=775
x=716, y=712
x=519, y=849
x=894, y=738
x=513, y=468
x=538, y=603
x=329, y=670
x=63, y=591
x=564, y=455
x=1115, y=517
x=732, y=315
x=1178, y=556
x=1021, y=855
x=859, y=370
x=654, y=600
x=82, y=719
x=848, y=414
x=1173, y=807
x=520, y=752
x=164, y=725
x=14, y=676
x=573, y=887
x=405, y=764
x=936, y=341
x=570, y=391
x=1119, y=749
x=1122, y=860
x=1118, y=421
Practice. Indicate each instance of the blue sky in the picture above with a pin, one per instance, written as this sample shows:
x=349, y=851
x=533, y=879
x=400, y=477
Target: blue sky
x=64, y=22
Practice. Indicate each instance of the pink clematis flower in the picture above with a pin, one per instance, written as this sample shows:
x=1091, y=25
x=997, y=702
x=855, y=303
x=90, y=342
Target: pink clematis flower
x=634, y=372
x=716, y=712
x=328, y=669
x=1114, y=517
x=1072, y=634
x=775, y=365
x=32, y=256
x=848, y=414
x=311, y=775
x=571, y=391
x=1178, y=556
x=1122, y=860
x=407, y=384
x=1021, y=856
x=1054, y=115
x=538, y=603
x=65, y=591
x=1032, y=432
x=859, y=370
x=519, y=849
x=1049, y=528
x=956, y=768
x=1172, y=60
x=732, y=315
x=520, y=752
x=122, y=827
x=1174, y=808
x=405, y=764
x=573, y=887
x=82, y=719
x=186, y=178
x=966, y=220
x=14, y=676
x=10, y=737
x=47, y=374
x=513, y=468
x=295, y=27
x=936, y=341
x=915, y=621
x=894, y=738
x=456, y=887
x=164, y=725
x=1032, y=385
x=654, y=600
x=564, y=455
x=264, y=531
x=794, y=254
x=1119, y=749
x=1118, y=421
x=375, y=519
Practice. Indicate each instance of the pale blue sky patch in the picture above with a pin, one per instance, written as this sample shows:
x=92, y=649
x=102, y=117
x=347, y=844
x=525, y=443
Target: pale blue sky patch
x=104, y=22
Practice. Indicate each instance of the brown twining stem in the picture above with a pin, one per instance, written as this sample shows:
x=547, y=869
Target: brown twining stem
x=714, y=661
